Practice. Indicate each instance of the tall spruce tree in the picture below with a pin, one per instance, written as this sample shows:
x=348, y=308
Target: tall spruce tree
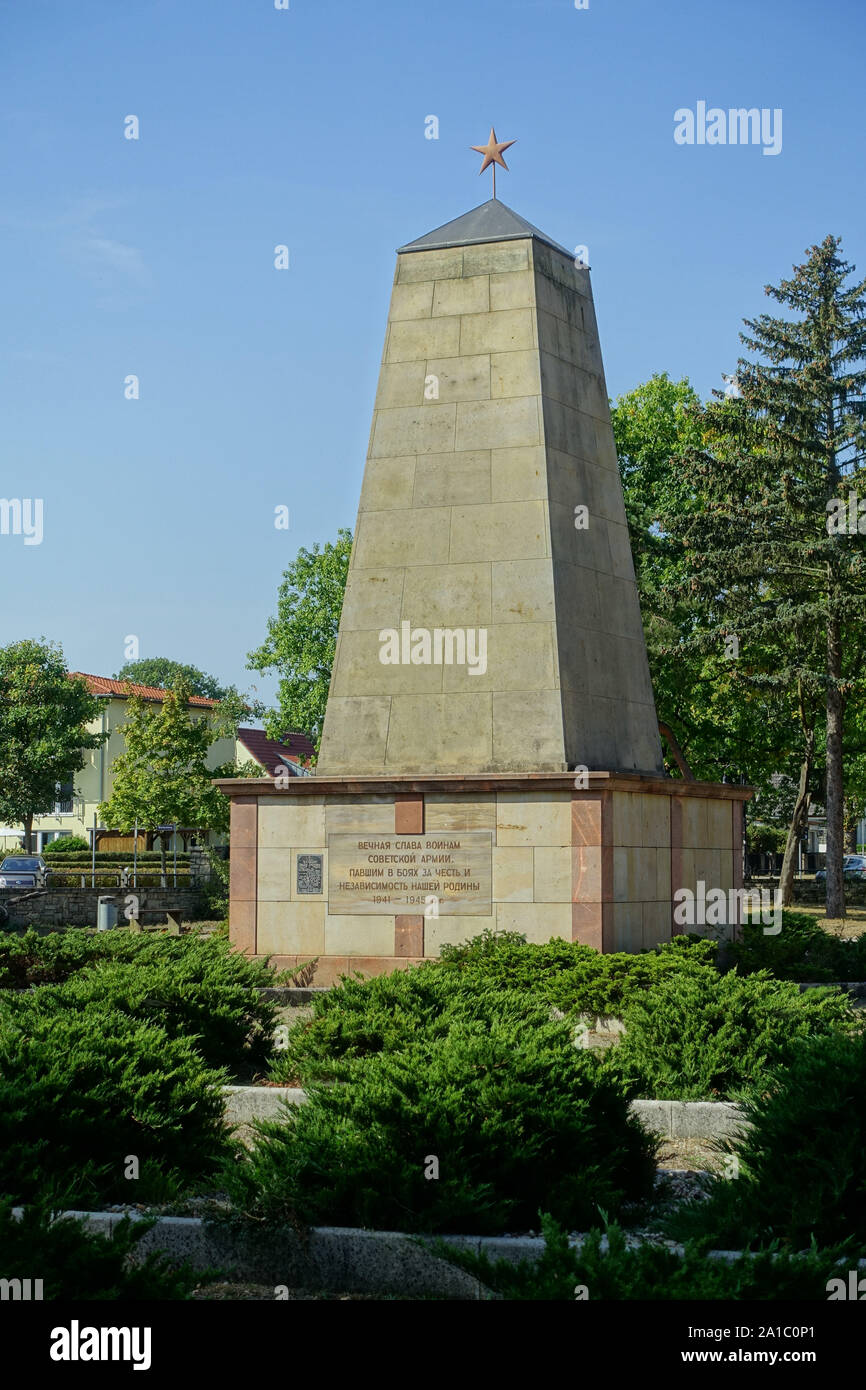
x=773, y=559
x=725, y=732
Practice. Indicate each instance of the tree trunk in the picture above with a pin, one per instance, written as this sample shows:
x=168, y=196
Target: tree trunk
x=678, y=755
x=795, y=830
x=28, y=834
x=835, y=786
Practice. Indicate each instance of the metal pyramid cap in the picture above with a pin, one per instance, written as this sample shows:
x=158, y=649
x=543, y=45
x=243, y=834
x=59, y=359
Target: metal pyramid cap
x=492, y=221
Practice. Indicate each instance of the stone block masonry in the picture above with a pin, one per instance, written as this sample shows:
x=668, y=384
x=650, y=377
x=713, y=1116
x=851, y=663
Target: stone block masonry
x=598, y=865
x=491, y=426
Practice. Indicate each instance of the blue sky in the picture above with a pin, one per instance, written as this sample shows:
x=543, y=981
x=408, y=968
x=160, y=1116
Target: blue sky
x=305, y=127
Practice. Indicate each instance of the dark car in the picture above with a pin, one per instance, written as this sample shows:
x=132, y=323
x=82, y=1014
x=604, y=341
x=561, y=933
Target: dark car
x=24, y=871
x=853, y=866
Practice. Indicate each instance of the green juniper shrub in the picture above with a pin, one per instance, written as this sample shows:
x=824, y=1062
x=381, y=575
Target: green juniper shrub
x=363, y=1017
x=515, y=1115
x=32, y=959
x=802, y=950
x=602, y=1269
x=74, y=1263
x=691, y=1033
x=700, y=1035
x=802, y=1164
x=567, y=975
x=81, y=1091
x=201, y=993
x=194, y=986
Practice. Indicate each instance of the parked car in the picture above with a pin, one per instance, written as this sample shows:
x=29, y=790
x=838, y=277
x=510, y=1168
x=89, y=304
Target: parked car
x=24, y=871
x=853, y=866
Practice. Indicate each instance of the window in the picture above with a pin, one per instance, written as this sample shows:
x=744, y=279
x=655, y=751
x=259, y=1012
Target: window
x=64, y=792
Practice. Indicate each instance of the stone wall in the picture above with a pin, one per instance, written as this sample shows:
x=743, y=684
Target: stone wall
x=199, y=865
x=77, y=907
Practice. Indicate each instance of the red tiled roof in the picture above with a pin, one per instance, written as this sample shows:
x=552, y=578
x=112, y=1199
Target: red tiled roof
x=273, y=753
x=103, y=685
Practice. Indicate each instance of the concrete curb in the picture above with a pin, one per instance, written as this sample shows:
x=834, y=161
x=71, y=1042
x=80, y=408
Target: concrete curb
x=673, y=1119
x=337, y=1259
x=243, y=1104
x=329, y=1258
x=690, y=1119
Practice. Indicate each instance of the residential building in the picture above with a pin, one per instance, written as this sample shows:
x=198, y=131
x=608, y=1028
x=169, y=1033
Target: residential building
x=75, y=812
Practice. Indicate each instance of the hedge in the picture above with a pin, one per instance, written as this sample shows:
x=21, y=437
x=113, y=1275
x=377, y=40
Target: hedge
x=84, y=858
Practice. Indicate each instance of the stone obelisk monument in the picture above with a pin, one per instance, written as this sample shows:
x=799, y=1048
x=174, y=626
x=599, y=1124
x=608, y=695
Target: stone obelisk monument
x=490, y=754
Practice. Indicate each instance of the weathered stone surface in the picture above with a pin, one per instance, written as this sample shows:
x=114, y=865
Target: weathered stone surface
x=301, y=922
x=282, y=824
x=447, y=480
x=346, y=936
x=433, y=593
x=458, y=378
x=470, y=295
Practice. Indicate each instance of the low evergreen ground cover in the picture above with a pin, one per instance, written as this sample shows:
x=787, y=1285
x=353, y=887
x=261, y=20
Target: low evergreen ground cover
x=474, y=1061
x=800, y=1171
x=606, y=1268
x=691, y=1032
x=195, y=988
x=468, y=1127
x=97, y=1106
x=454, y=1096
x=114, y=1048
x=74, y=1263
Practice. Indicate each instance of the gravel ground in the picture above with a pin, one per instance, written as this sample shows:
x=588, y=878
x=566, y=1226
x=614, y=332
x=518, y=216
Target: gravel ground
x=689, y=1154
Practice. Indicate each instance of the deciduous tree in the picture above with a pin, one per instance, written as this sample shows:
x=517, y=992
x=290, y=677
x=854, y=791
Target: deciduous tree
x=302, y=639
x=43, y=730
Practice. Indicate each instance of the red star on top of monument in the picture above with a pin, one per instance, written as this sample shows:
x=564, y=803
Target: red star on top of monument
x=492, y=151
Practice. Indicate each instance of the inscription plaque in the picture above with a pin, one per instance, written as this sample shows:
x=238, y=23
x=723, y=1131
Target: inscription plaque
x=444, y=874
x=309, y=873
